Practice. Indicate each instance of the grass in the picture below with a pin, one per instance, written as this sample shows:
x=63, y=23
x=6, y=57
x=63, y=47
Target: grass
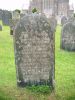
x=64, y=73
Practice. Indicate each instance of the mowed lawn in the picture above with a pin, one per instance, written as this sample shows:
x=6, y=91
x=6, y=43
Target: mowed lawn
x=64, y=72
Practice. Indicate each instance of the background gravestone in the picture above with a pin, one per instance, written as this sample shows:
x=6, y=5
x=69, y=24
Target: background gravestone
x=53, y=23
x=6, y=16
x=1, y=14
x=13, y=23
x=34, y=51
x=14, y=20
x=15, y=15
x=68, y=36
x=63, y=20
x=0, y=28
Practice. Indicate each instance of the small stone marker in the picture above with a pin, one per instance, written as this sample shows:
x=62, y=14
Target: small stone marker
x=68, y=36
x=34, y=51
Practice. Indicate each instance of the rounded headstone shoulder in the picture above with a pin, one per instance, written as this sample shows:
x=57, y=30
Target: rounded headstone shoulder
x=31, y=22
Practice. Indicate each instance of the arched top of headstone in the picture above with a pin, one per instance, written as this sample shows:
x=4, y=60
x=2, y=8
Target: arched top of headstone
x=33, y=22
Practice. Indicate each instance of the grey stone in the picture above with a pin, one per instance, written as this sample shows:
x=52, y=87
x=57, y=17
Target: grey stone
x=71, y=19
x=68, y=36
x=13, y=23
x=1, y=14
x=63, y=20
x=15, y=15
x=6, y=16
x=34, y=51
x=0, y=28
x=53, y=23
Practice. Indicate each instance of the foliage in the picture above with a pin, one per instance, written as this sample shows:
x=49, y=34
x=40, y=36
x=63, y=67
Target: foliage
x=34, y=10
x=40, y=89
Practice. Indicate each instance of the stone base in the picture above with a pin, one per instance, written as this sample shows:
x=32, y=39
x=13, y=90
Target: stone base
x=67, y=48
x=35, y=83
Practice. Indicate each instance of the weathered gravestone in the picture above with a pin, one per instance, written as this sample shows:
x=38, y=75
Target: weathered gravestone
x=13, y=23
x=34, y=51
x=6, y=16
x=1, y=14
x=71, y=19
x=0, y=28
x=15, y=15
x=63, y=20
x=68, y=36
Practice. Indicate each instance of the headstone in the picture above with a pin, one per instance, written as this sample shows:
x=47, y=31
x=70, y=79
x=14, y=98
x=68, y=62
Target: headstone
x=6, y=16
x=63, y=20
x=1, y=14
x=15, y=15
x=34, y=51
x=68, y=36
x=13, y=23
x=71, y=19
x=0, y=28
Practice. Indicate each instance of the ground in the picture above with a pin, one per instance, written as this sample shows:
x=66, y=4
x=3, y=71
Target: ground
x=64, y=72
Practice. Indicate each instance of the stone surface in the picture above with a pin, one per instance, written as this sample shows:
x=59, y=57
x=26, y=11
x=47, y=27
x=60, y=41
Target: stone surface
x=15, y=15
x=6, y=16
x=68, y=36
x=1, y=14
x=22, y=15
x=34, y=51
x=13, y=23
x=0, y=28
x=63, y=20
x=53, y=23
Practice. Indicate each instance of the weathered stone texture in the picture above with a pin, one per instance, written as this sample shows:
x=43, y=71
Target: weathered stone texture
x=13, y=23
x=53, y=23
x=68, y=36
x=34, y=51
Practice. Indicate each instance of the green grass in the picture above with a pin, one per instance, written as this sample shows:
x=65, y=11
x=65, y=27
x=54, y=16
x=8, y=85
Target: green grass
x=64, y=73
